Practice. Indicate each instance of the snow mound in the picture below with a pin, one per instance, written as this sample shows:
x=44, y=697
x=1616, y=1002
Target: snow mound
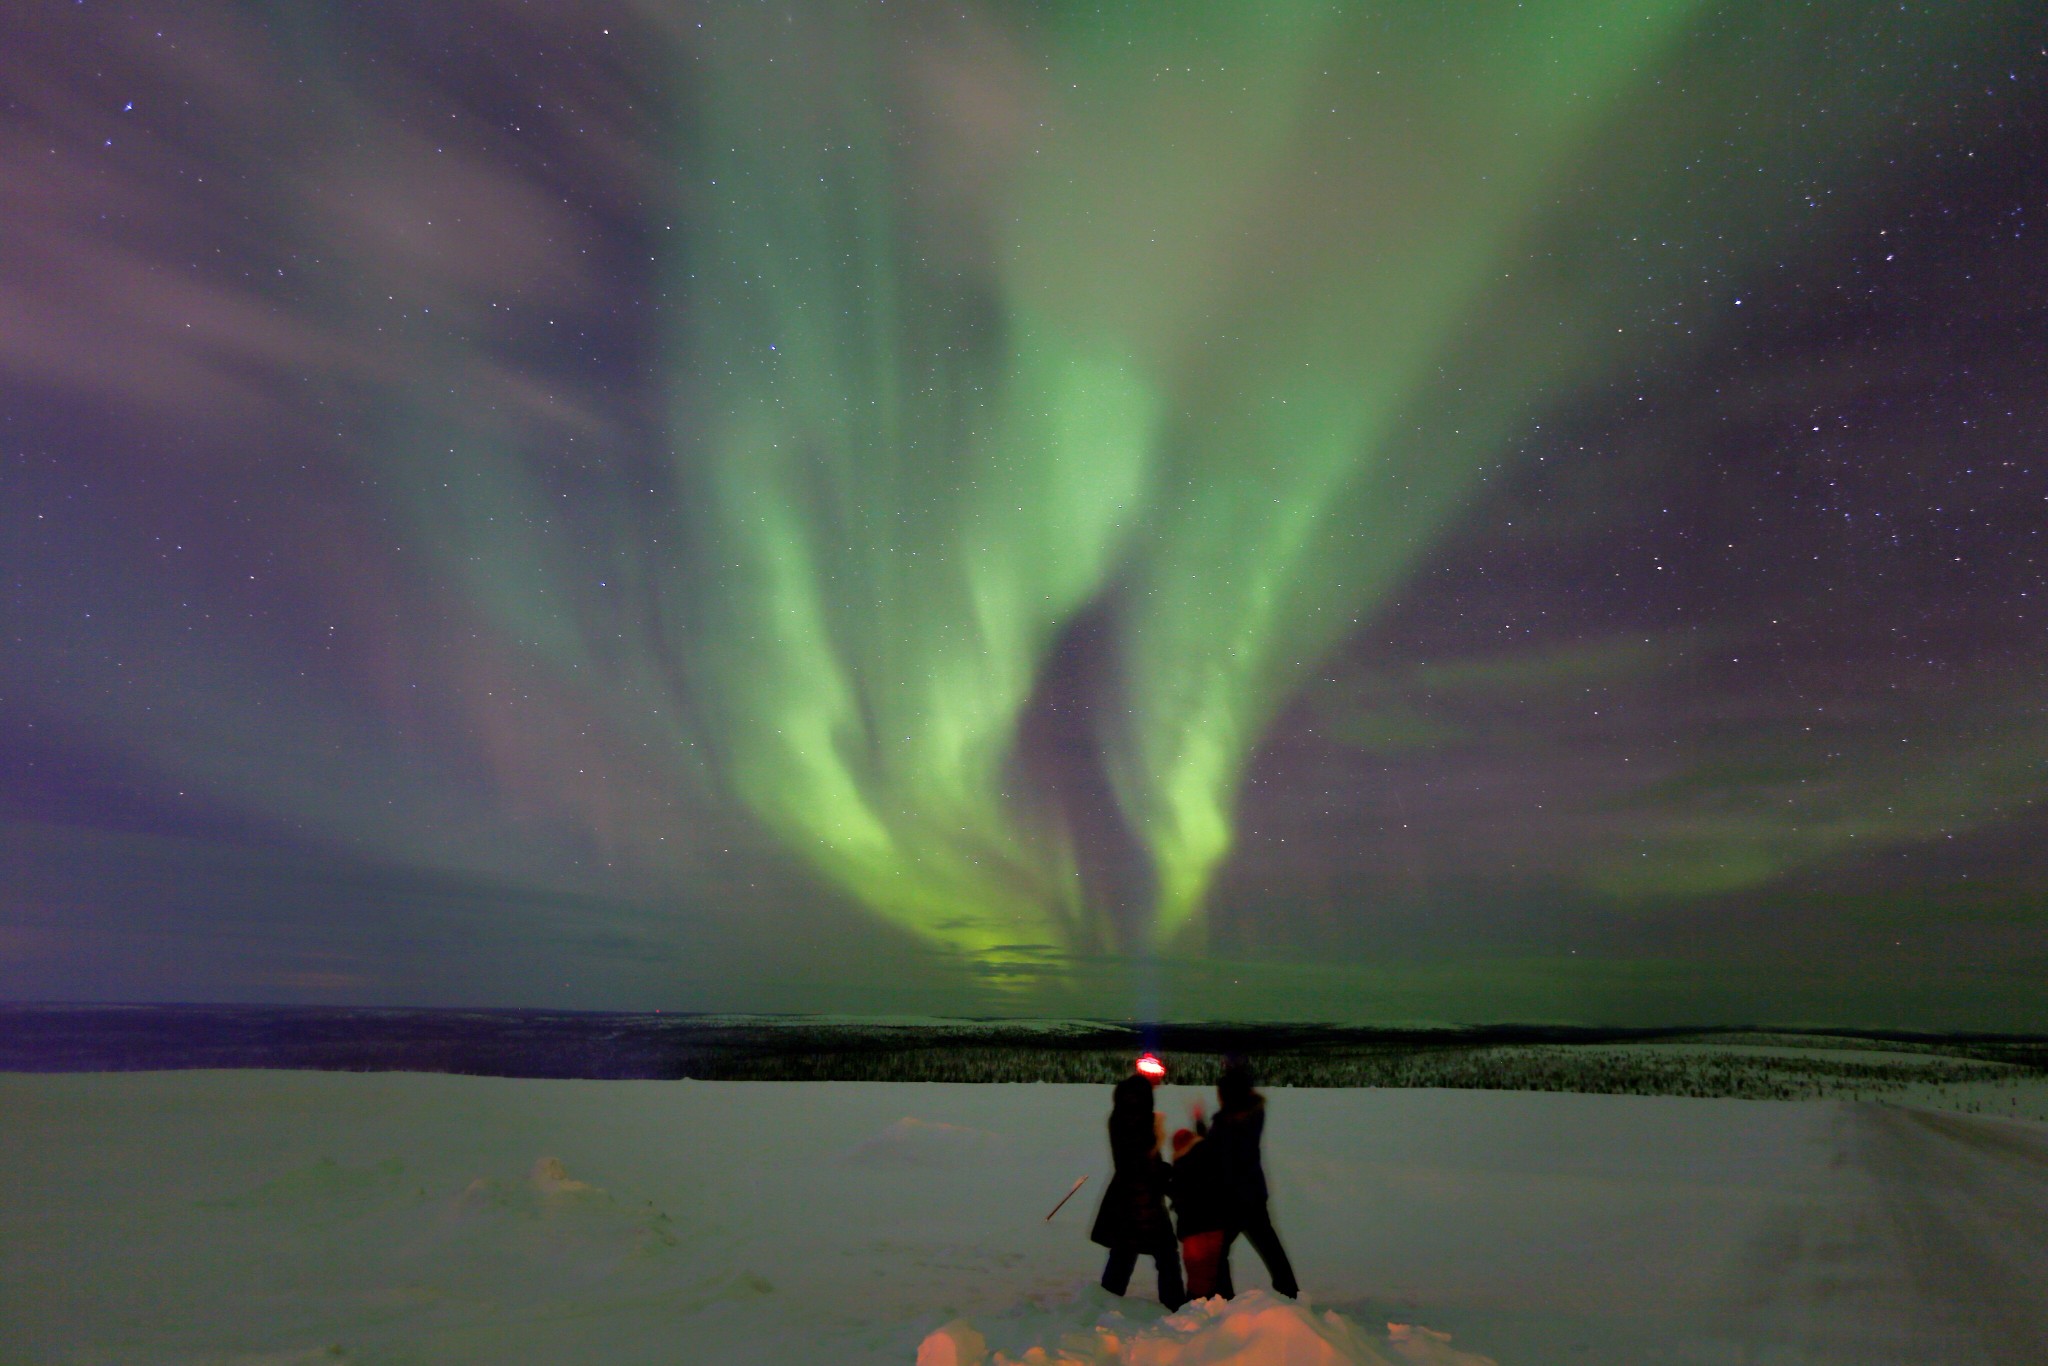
x=1257, y=1328
x=543, y=1232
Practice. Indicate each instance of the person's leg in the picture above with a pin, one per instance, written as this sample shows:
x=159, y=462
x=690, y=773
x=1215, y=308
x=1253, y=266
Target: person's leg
x=1258, y=1231
x=1171, y=1293
x=1224, y=1287
x=1116, y=1275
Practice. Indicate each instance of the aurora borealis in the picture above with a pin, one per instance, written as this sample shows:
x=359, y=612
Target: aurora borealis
x=1329, y=510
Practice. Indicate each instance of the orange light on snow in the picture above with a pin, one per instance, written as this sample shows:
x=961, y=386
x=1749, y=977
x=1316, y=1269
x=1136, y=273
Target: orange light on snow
x=1151, y=1067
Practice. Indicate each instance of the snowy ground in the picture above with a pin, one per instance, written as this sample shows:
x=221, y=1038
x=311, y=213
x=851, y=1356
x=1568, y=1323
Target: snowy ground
x=298, y=1217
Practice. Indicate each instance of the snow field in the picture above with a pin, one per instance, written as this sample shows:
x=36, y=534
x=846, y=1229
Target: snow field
x=270, y=1217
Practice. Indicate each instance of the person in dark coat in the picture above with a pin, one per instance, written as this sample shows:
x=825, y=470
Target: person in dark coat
x=1132, y=1220
x=1197, y=1191
x=1233, y=1137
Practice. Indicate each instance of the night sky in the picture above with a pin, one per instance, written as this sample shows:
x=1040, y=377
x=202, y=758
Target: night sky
x=1372, y=511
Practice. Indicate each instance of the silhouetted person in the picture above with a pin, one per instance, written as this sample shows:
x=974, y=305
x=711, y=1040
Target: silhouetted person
x=1233, y=1137
x=1133, y=1220
x=1197, y=1192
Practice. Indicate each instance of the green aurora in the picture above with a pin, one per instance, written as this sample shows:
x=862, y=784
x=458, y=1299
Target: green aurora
x=1216, y=325
x=1030, y=507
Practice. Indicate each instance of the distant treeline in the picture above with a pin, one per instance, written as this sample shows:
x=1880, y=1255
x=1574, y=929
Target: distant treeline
x=1747, y=1063
x=1591, y=1067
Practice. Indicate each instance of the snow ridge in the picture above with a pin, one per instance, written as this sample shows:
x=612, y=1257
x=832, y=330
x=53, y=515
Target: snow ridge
x=1258, y=1328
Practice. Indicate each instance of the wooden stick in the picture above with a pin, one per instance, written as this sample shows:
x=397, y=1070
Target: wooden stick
x=1064, y=1198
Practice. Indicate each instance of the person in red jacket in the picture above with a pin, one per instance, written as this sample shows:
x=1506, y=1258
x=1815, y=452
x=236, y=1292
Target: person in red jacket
x=1197, y=1211
x=1132, y=1219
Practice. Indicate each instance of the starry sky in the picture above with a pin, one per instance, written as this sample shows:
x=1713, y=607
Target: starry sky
x=1332, y=510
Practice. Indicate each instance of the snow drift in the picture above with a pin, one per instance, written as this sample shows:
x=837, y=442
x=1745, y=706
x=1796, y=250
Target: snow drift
x=1256, y=1329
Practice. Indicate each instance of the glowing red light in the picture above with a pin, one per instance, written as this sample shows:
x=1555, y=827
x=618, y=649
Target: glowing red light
x=1151, y=1067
